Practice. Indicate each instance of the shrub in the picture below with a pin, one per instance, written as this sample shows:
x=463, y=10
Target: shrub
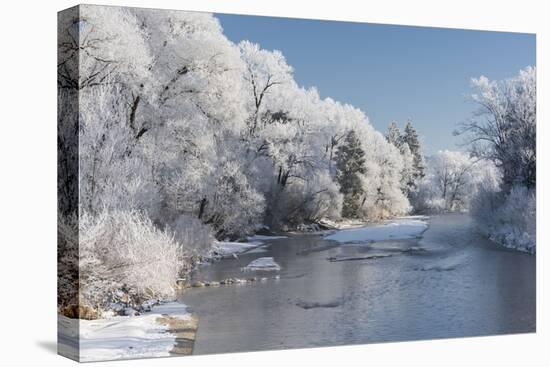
x=67, y=261
x=508, y=219
x=195, y=238
x=123, y=255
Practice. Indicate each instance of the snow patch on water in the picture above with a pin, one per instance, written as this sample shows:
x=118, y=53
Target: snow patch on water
x=226, y=248
x=262, y=263
x=398, y=229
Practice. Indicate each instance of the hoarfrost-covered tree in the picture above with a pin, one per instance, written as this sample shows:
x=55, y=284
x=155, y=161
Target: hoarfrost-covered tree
x=415, y=173
x=193, y=66
x=108, y=44
x=385, y=194
x=408, y=179
x=112, y=60
x=264, y=71
x=290, y=149
x=203, y=120
x=283, y=140
x=503, y=130
x=409, y=172
x=452, y=180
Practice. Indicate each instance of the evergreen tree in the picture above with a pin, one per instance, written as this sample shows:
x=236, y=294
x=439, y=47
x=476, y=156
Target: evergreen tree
x=411, y=138
x=350, y=165
x=408, y=183
x=394, y=135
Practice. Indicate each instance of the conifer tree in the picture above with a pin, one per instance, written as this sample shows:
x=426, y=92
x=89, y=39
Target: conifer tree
x=394, y=135
x=410, y=137
x=397, y=139
x=350, y=165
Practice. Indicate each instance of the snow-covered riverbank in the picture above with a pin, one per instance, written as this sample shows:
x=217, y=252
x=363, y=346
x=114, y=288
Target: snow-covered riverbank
x=152, y=334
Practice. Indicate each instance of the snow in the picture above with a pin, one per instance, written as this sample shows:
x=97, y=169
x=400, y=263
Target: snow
x=263, y=263
x=257, y=250
x=226, y=248
x=398, y=229
x=121, y=337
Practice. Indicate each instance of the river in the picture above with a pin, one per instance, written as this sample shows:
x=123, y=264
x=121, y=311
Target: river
x=450, y=283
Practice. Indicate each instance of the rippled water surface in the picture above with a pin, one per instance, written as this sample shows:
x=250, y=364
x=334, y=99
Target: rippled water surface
x=451, y=283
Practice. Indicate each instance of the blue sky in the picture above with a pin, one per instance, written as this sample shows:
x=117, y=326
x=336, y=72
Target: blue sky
x=391, y=72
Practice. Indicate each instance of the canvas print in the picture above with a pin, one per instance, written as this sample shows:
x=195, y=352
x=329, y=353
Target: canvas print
x=234, y=183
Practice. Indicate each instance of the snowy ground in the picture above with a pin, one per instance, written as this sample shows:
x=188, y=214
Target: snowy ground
x=396, y=229
x=121, y=337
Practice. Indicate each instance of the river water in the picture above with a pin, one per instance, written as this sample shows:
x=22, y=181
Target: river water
x=450, y=283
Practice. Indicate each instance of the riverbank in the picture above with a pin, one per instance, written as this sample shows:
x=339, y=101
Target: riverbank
x=168, y=329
